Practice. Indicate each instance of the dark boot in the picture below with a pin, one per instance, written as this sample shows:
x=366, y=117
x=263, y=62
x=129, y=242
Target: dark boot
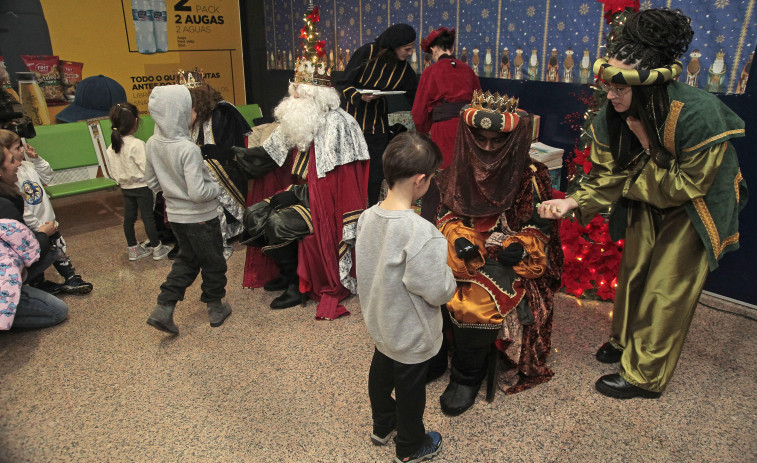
x=277, y=284
x=289, y=298
x=218, y=312
x=460, y=394
x=162, y=318
x=286, y=259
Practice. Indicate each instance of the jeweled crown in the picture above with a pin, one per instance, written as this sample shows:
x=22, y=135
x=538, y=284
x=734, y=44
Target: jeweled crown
x=494, y=102
x=191, y=79
x=313, y=71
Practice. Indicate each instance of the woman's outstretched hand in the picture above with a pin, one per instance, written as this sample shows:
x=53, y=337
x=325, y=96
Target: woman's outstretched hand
x=556, y=208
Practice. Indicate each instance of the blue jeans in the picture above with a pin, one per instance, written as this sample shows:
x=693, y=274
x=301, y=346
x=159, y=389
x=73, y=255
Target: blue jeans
x=200, y=250
x=38, y=309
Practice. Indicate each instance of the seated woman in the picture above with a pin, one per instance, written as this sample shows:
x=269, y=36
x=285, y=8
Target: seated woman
x=506, y=259
x=219, y=123
x=22, y=306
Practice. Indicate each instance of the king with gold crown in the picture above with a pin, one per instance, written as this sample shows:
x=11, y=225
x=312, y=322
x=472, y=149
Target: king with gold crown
x=506, y=259
x=301, y=228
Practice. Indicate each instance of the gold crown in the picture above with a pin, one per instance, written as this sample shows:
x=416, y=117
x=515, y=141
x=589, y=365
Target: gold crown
x=313, y=71
x=496, y=103
x=191, y=79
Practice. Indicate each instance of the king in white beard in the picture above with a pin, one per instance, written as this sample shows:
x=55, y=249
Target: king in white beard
x=301, y=114
x=318, y=211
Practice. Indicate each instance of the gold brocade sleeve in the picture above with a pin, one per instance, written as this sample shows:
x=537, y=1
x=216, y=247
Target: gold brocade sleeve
x=535, y=263
x=602, y=187
x=461, y=269
x=687, y=179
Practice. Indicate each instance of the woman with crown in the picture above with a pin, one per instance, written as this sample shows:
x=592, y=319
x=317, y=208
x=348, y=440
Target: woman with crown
x=217, y=127
x=506, y=259
x=662, y=155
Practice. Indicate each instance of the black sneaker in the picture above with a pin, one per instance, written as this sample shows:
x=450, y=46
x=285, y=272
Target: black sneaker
x=431, y=446
x=75, y=285
x=48, y=286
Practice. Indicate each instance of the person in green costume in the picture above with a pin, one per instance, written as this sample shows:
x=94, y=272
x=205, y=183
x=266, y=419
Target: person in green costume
x=661, y=156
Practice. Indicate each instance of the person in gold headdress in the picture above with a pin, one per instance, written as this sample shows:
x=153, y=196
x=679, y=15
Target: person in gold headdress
x=661, y=153
x=506, y=259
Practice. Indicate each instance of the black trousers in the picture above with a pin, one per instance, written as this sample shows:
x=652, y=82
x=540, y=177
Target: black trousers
x=408, y=381
x=200, y=250
x=470, y=358
x=376, y=147
x=139, y=199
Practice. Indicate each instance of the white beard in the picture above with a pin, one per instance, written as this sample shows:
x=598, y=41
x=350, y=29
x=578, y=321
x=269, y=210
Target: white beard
x=299, y=120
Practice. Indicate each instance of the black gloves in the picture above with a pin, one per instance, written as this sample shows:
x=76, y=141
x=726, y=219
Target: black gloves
x=465, y=249
x=219, y=153
x=510, y=255
x=284, y=199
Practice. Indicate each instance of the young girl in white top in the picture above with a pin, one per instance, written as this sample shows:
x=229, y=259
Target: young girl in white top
x=126, y=156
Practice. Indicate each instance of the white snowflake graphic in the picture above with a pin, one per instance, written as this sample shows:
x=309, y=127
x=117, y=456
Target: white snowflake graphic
x=397, y=5
x=511, y=27
x=380, y=19
x=585, y=39
x=583, y=9
x=720, y=38
x=532, y=39
x=561, y=26
x=531, y=11
x=645, y=5
x=410, y=17
x=467, y=28
x=367, y=7
x=484, y=13
x=445, y=16
x=721, y=4
x=430, y=2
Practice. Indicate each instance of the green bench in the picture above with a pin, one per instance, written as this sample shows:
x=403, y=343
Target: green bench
x=68, y=147
x=250, y=113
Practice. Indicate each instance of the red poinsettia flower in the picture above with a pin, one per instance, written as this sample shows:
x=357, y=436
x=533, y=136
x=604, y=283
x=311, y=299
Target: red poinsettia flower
x=320, y=47
x=303, y=33
x=582, y=159
x=314, y=16
x=616, y=6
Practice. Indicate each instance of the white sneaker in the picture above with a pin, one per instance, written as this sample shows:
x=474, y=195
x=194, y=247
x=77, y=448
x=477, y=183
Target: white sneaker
x=138, y=252
x=160, y=251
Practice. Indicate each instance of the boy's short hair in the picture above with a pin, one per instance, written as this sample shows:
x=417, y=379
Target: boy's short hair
x=408, y=154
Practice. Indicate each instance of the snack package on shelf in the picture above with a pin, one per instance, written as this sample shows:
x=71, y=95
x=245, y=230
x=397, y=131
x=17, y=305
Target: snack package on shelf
x=71, y=75
x=46, y=69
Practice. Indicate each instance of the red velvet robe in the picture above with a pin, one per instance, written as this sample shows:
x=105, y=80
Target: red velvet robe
x=443, y=81
x=335, y=200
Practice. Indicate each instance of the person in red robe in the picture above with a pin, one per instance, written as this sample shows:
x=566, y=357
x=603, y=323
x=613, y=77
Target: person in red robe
x=320, y=163
x=444, y=88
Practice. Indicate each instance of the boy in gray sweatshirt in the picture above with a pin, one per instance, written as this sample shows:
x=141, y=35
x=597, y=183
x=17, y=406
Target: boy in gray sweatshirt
x=403, y=278
x=175, y=166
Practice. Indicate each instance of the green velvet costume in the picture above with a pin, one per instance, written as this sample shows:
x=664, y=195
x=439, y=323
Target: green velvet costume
x=679, y=222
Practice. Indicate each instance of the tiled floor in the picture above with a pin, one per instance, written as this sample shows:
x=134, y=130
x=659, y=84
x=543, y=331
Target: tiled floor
x=281, y=386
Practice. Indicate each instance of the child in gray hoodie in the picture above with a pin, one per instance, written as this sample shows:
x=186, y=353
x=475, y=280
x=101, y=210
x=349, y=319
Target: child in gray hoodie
x=175, y=166
x=403, y=278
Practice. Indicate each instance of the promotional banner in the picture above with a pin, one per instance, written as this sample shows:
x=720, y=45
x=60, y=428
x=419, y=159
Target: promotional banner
x=144, y=43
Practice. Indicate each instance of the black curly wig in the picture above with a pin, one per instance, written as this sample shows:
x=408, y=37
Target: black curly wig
x=653, y=38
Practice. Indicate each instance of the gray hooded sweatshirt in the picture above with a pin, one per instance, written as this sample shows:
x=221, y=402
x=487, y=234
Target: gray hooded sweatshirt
x=174, y=163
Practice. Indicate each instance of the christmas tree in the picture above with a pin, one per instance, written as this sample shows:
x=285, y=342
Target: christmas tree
x=312, y=47
x=592, y=259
